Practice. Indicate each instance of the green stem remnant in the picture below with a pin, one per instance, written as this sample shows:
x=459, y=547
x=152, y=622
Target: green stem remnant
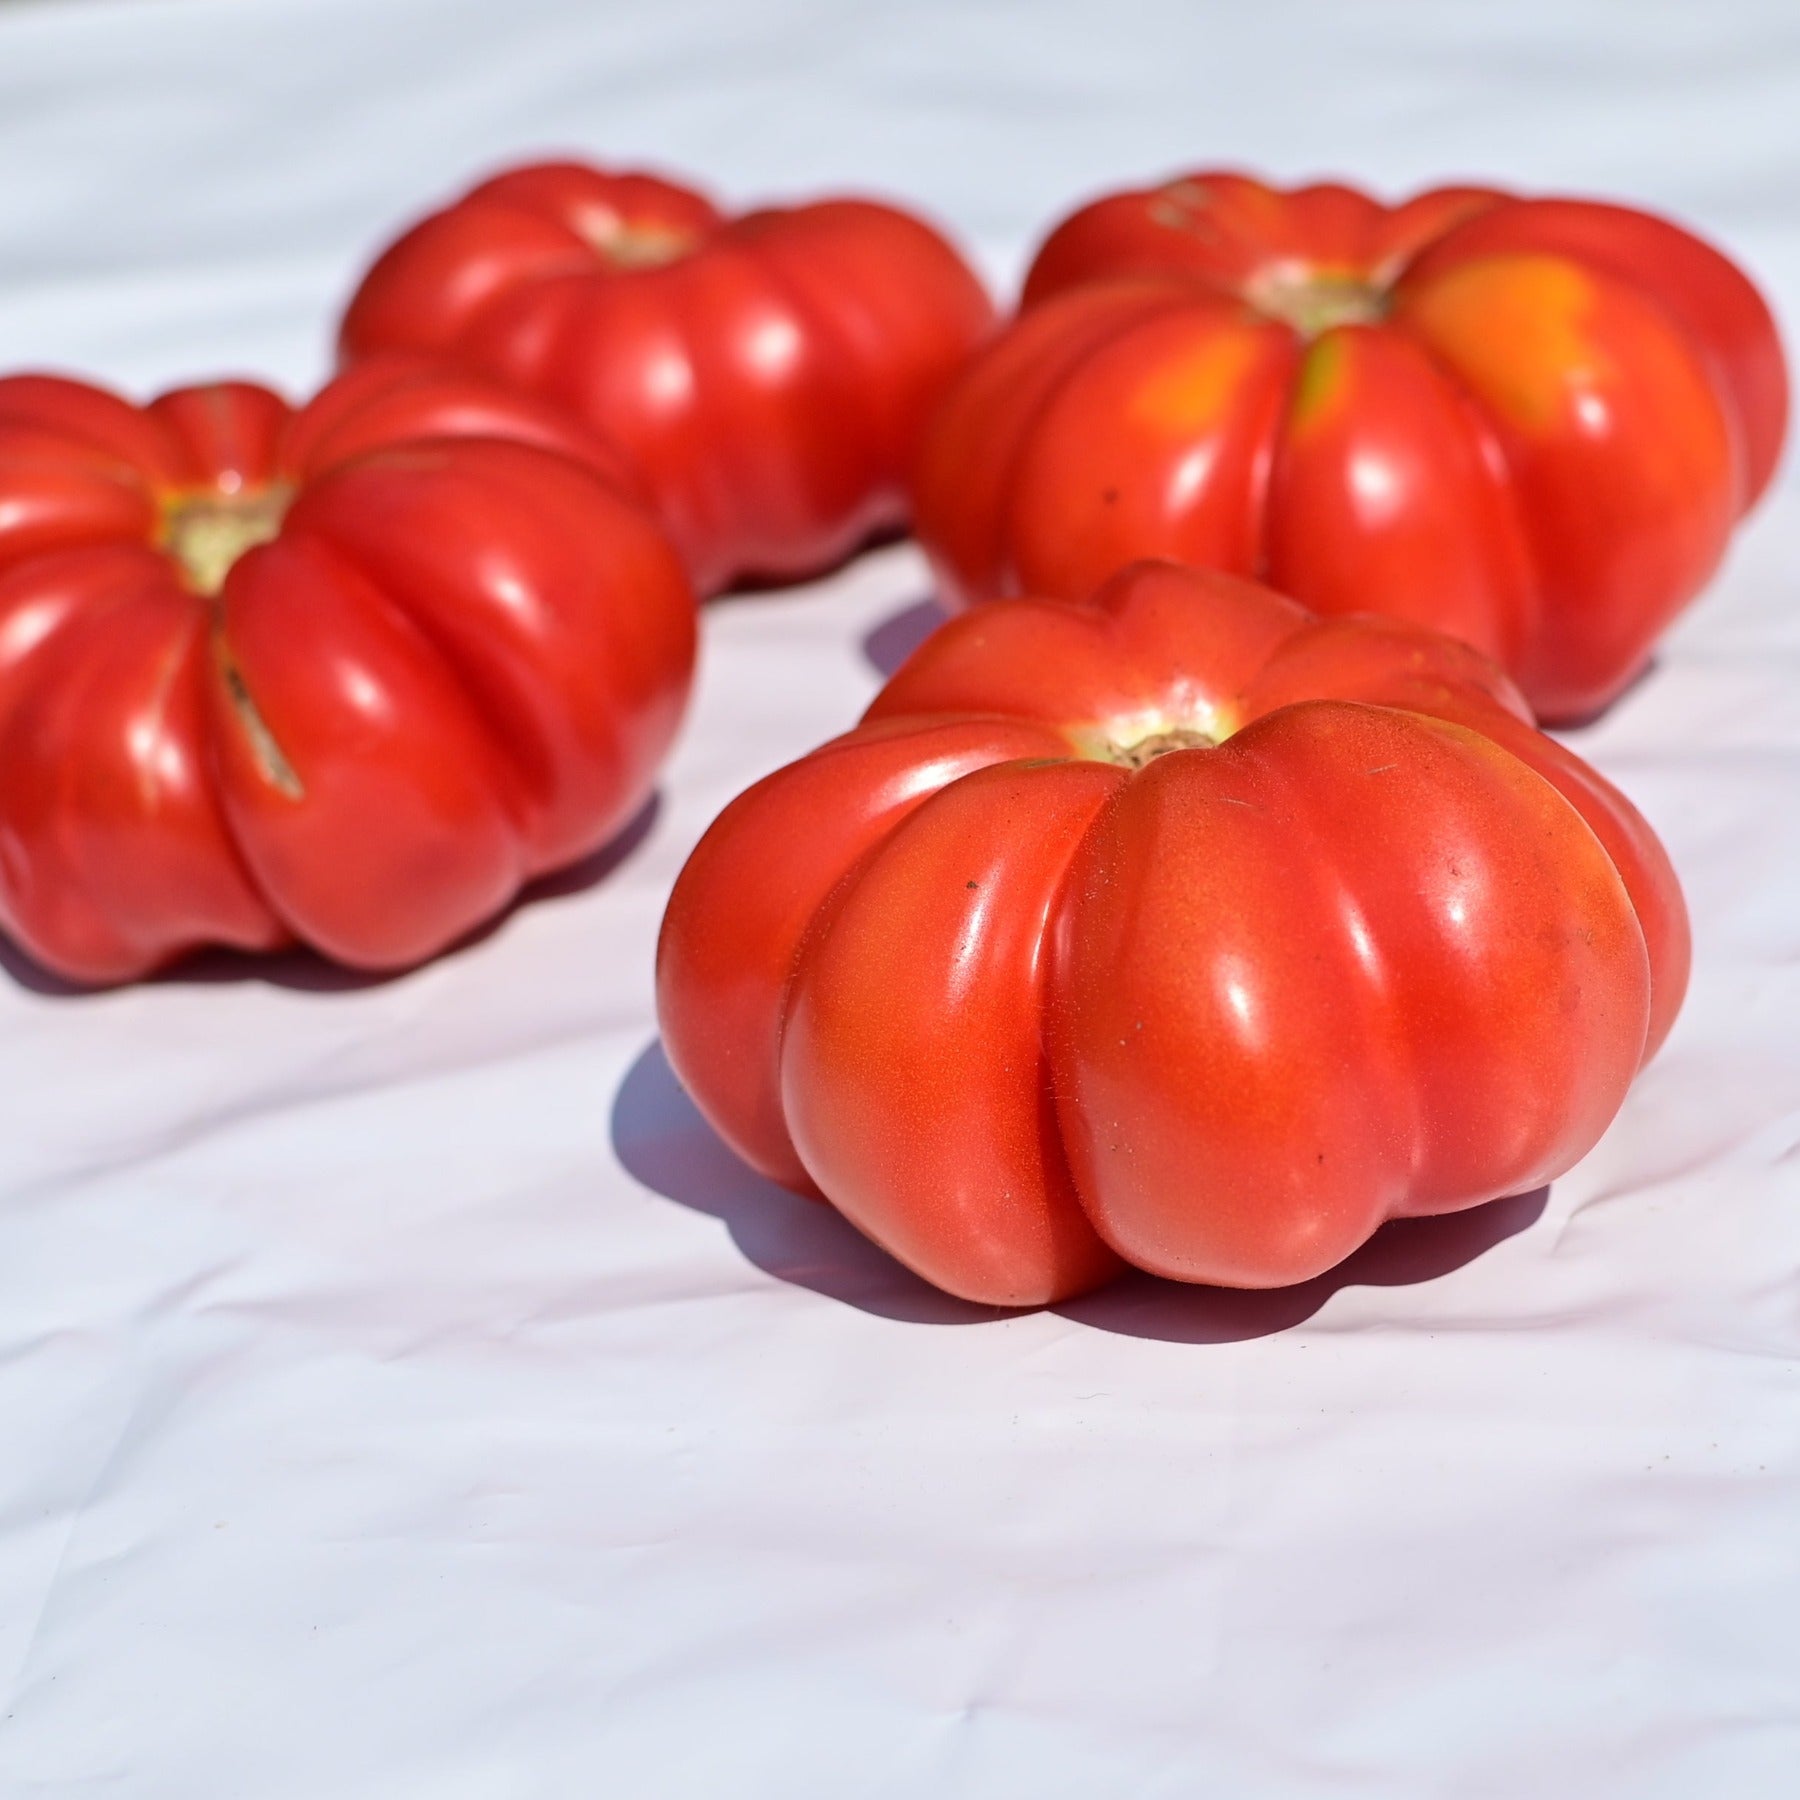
x=1146, y=750
x=206, y=533
x=1314, y=303
x=627, y=246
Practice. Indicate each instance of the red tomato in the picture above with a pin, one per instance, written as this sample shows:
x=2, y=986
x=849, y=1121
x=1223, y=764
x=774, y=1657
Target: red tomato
x=347, y=675
x=769, y=374
x=1181, y=927
x=1531, y=423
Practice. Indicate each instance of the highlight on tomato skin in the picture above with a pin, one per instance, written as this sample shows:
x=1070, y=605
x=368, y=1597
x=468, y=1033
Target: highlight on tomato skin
x=1179, y=927
x=768, y=373
x=346, y=676
x=1532, y=423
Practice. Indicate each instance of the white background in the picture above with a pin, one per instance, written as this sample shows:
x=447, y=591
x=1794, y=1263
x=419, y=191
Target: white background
x=401, y=1395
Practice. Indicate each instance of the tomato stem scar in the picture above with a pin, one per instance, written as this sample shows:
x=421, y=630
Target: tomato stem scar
x=1313, y=301
x=1146, y=750
x=626, y=246
x=206, y=533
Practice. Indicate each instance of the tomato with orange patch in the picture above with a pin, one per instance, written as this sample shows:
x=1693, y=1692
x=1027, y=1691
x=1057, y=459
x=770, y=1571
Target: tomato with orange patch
x=1531, y=423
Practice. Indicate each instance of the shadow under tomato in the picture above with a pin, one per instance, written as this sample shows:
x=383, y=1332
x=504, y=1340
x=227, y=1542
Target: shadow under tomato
x=306, y=971
x=1402, y=1253
x=1580, y=722
x=661, y=1139
x=887, y=645
x=751, y=582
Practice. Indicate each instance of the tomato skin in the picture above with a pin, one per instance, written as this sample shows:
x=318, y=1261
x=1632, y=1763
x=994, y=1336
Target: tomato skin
x=1178, y=927
x=1531, y=423
x=1439, y=535
x=767, y=375
x=448, y=653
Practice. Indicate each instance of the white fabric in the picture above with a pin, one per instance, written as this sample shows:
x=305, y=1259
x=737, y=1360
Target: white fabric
x=403, y=1396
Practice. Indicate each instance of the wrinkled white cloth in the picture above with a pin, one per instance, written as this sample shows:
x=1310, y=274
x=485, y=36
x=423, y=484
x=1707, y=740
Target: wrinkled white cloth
x=402, y=1395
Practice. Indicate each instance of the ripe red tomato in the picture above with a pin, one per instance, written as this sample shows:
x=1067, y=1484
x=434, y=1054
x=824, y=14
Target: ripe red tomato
x=1181, y=927
x=1531, y=423
x=768, y=374
x=347, y=675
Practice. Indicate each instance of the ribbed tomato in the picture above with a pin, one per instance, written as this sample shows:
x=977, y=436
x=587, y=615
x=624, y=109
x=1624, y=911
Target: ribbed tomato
x=1180, y=927
x=1532, y=423
x=768, y=374
x=347, y=675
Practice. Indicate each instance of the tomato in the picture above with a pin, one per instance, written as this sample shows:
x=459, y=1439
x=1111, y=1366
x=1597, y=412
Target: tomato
x=347, y=675
x=1531, y=423
x=1181, y=928
x=769, y=374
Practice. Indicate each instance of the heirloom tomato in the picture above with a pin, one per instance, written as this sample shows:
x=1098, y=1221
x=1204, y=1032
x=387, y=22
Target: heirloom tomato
x=1181, y=928
x=768, y=374
x=347, y=675
x=1530, y=423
